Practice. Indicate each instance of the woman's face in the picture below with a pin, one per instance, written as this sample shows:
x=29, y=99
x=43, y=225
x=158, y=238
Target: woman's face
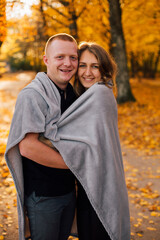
x=88, y=70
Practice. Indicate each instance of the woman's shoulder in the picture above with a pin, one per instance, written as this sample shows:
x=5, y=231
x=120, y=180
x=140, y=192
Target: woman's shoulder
x=104, y=94
x=101, y=88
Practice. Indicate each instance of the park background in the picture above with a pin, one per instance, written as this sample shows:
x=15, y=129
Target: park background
x=130, y=31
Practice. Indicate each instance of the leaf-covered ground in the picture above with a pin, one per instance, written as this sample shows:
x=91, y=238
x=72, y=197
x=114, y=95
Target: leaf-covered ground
x=139, y=122
x=139, y=127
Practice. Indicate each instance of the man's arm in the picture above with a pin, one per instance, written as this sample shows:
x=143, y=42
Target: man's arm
x=30, y=147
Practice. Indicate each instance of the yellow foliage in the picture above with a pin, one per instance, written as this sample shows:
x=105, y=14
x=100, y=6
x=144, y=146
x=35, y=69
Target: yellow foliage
x=2, y=20
x=2, y=148
x=141, y=22
x=145, y=217
x=139, y=122
x=136, y=225
x=89, y=20
x=143, y=203
x=72, y=238
x=151, y=222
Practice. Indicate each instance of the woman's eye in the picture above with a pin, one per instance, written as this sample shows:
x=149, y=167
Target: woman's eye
x=95, y=66
x=82, y=65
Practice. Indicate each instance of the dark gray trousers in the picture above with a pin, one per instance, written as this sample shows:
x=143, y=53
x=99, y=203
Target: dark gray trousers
x=50, y=218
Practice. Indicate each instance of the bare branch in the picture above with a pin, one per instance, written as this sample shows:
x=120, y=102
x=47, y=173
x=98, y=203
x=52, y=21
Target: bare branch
x=55, y=9
x=58, y=21
x=64, y=3
x=101, y=4
x=83, y=9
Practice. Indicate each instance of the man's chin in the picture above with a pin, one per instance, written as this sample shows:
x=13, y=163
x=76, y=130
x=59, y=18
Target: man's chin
x=66, y=80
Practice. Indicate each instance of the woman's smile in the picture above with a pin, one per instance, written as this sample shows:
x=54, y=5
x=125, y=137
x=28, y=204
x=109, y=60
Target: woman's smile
x=88, y=70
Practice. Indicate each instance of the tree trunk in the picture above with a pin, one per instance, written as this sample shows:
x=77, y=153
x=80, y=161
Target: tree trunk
x=133, y=64
x=156, y=64
x=150, y=64
x=45, y=36
x=73, y=21
x=119, y=53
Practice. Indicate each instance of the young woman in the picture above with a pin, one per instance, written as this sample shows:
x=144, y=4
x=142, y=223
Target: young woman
x=95, y=65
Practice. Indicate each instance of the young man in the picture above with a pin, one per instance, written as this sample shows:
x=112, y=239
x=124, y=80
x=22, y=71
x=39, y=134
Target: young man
x=49, y=186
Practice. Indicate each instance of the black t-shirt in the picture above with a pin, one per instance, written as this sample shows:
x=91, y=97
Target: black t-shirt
x=46, y=181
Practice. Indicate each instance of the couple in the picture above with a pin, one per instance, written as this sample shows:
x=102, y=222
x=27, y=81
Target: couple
x=58, y=135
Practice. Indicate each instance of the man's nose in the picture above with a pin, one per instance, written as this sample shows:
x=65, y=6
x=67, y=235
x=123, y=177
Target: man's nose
x=67, y=61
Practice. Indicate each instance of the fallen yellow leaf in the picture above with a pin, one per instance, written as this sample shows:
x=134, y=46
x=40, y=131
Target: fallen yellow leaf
x=136, y=225
x=155, y=214
x=151, y=228
x=139, y=234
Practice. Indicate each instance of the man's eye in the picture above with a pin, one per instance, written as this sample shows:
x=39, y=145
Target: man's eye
x=59, y=57
x=74, y=58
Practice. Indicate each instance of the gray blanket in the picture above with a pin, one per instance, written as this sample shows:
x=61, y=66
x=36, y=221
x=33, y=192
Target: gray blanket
x=87, y=137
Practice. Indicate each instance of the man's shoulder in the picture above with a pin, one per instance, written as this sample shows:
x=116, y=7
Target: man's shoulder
x=28, y=92
x=30, y=95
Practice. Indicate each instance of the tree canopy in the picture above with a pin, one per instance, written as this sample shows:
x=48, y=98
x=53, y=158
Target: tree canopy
x=85, y=20
x=2, y=21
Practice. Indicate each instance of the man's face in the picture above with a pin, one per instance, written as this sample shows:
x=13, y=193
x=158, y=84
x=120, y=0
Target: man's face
x=61, y=60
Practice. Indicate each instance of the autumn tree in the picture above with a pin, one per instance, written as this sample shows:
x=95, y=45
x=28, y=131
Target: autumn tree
x=141, y=24
x=63, y=14
x=119, y=52
x=2, y=21
x=137, y=21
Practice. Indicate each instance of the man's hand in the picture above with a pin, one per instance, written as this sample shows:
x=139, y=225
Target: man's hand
x=30, y=147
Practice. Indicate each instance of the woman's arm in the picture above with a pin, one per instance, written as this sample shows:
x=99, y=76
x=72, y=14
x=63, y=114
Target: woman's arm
x=30, y=147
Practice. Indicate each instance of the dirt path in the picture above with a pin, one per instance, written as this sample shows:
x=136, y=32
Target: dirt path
x=10, y=86
x=142, y=176
x=143, y=182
